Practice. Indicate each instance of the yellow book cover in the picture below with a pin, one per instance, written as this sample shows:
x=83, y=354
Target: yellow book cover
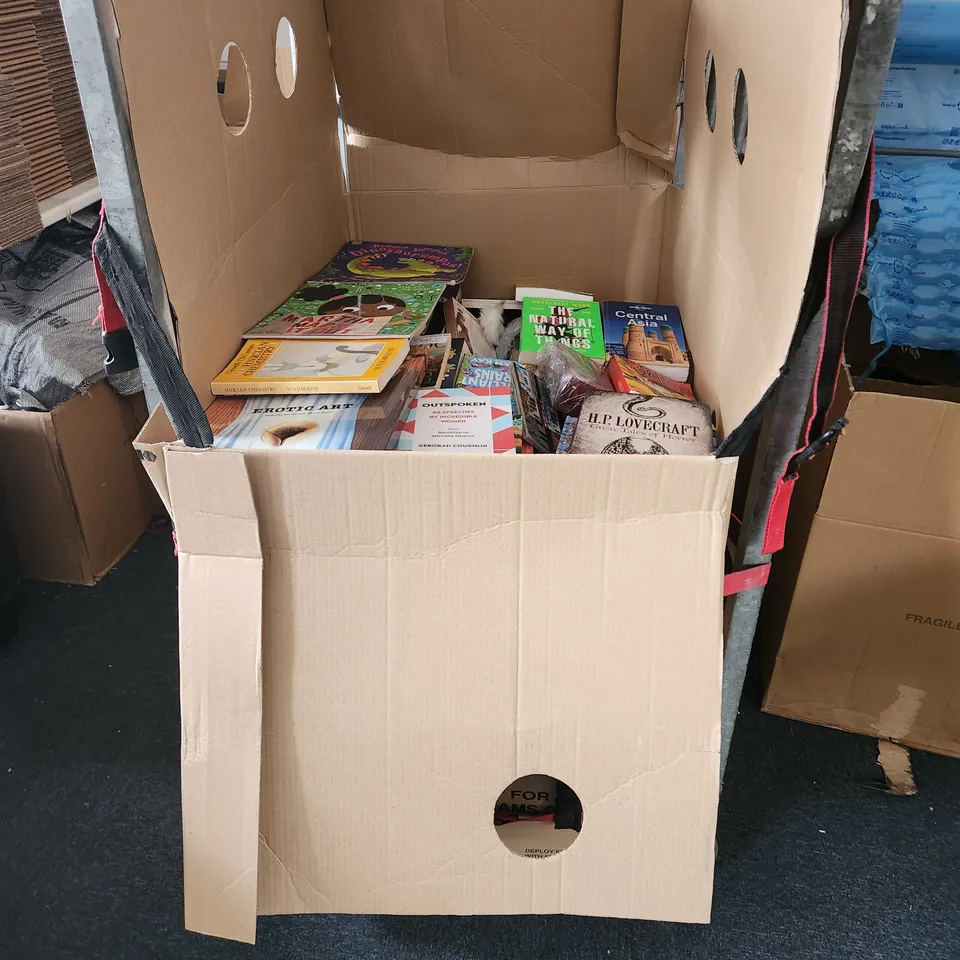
x=311, y=366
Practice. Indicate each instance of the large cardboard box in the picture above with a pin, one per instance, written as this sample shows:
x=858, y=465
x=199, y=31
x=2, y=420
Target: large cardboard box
x=871, y=641
x=364, y=632
x=72, y=491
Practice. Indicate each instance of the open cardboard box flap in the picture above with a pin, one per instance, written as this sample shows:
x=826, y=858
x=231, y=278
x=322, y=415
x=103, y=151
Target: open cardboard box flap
x=500, y=79
x=353, y=575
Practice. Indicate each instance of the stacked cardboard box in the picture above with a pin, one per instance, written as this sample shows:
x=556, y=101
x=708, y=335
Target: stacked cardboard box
x=43, y=141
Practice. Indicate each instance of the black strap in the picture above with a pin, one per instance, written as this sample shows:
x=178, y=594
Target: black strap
x=153, y=347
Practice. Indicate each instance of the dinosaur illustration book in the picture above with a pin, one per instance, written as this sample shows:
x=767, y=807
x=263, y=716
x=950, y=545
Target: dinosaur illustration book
x=398, y=262
x=311, y=366
x=338, y=311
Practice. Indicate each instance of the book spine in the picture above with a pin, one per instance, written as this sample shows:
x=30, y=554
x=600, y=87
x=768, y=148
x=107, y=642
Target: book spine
x=278, y=388
x=616, y=377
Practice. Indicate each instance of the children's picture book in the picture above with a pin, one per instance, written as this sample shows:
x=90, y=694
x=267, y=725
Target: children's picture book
x=399, y=261
x=575, y=323
x=458, y=354
x=533, y=422
x=629, y=423
x=338, y=311
x=311, y=366
x=628, y=376
x=463, y=419
x=434, y=349
x=650, y=334
x=338, y=421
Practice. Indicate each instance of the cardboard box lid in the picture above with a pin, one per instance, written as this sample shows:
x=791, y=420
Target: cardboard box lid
x=373, y=621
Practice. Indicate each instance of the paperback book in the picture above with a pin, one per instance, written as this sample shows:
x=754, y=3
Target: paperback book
x=575, y=323
x=458, y=354
x=461, y=419
x=566, y=435
x=649, y=334
x=339, y=421
x=493, y=372
x=324, y=310
x=628, y=376
x=311, y=366
x=620, y=423
x=533, y=426
x=434, y=350
x=399, y=261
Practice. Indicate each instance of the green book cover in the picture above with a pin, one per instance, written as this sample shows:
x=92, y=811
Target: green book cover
x=575, y=323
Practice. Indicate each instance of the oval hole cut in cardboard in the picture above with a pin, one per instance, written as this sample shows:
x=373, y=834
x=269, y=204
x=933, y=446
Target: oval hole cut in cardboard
x=710, y=90
x=740, y=116
x=286, y=57
x=233, y=89
x=538, y=816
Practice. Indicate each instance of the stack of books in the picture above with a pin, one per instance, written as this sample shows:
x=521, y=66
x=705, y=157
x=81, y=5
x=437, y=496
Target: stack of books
x=352, y=361
x=333, y=366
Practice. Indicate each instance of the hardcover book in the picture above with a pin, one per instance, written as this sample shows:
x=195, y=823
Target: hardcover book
x=628, y=376
x=628, y=423
x=324, y=310
x=311, y=366
x=339, y=421
x=399, y=261
x=650, y=334
x=575, y=323
x=464, y=419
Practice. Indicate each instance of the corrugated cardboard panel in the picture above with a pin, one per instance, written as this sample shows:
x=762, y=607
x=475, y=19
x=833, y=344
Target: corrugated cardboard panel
x=592, y=225
x=151, y=446
x=485, y=78
x=113, y=499
x=652, y=41
x=872, y=643
x=378, y=165
x=220, y=689
x=239, y=221
x=435, y=626
x=897, y=466
x=872, y=639
x=38, y=504
x=745, y=233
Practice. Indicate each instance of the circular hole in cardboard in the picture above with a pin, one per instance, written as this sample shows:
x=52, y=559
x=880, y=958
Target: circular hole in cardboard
x=740, y=116
x=538, y=816
x=233, y=89
x=710, y=90
x=286, y=57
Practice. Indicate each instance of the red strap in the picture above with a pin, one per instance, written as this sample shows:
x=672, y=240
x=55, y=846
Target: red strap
x=109, y=315
x=746, y=579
